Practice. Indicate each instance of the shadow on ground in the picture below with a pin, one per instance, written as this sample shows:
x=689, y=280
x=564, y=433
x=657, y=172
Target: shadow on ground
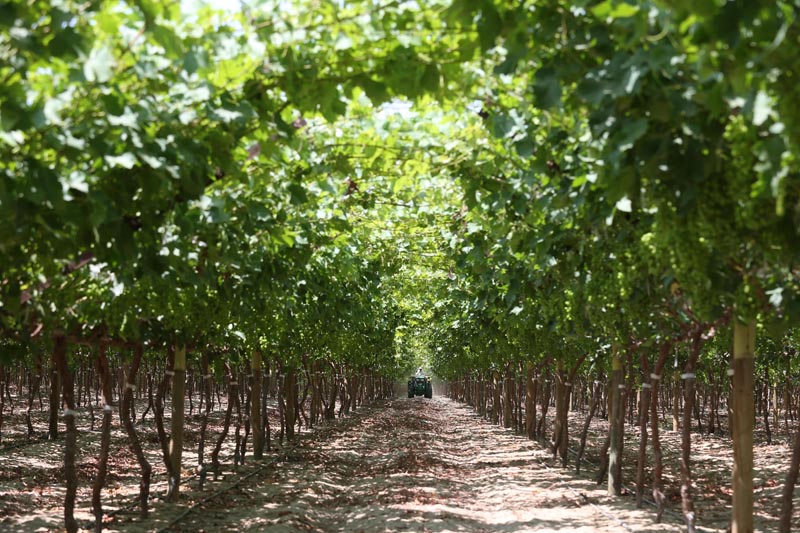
x=416, y=465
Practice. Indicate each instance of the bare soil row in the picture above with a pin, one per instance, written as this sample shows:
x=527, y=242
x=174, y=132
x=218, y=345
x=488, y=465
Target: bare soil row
x=405, y=464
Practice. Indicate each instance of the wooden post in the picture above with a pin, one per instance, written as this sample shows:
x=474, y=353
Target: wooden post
x=744, y=344
x=482, y=396
x=176, y=436
x=495, y=397
x=508, y=393
x=530, y=407
x=255, y=408
x=55, y=395
x=614, y=417
x=644, y=410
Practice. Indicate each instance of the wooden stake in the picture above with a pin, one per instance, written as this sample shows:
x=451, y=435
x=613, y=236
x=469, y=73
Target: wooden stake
x=255, y=408
x=615, y=431
x=176, y=437
x=744, y=343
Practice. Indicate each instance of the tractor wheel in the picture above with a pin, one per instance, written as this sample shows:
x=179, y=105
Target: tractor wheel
x=428, y=390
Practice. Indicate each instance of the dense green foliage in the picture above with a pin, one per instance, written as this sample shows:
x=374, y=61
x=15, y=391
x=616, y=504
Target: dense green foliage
x=470, y=185
x=199, y=178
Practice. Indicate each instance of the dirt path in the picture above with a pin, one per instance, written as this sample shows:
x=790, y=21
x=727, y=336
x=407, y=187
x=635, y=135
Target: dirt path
x=416, y=465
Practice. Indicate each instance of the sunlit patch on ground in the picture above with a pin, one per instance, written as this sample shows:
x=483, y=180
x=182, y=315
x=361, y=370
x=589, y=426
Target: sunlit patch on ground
x=416, y=465
x=403, y=465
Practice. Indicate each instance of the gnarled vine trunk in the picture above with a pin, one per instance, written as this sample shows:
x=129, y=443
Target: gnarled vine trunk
x=593, y=403
x=232, y=399
x=71, y=435
x=101, y=364
x=36, y=380
x=616, y=424
x=688, y=377
x=658, y=465
x=290, y=396
x=133, y=438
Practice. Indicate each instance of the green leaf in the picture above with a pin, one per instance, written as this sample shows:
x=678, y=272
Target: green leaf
x=430, y=79
x=226, y=115
x=108, y=22
x=126, y=160
x=8, y=14
x=286, y=237
x=489, y=25
x=194, y=60
x=590, y=90
x=99, y=66
x=342, y=42
x=502, y=125
x=615, y=9
x=632, y=130
x=375, y=91
x=152, y=162
x=634, y=73
x=525, y=148
x=149, y=11
x=762, y=108
x=168, y=39
x=299, y=196
x=404, y=70
x=77, y=181
x=401, y=183
x=547, y=88
x=624, y=204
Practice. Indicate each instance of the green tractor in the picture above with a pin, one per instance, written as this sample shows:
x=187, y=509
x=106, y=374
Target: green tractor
x=420, y=386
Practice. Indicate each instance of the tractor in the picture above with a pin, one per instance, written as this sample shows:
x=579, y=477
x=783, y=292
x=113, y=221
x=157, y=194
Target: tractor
x=420, y=386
